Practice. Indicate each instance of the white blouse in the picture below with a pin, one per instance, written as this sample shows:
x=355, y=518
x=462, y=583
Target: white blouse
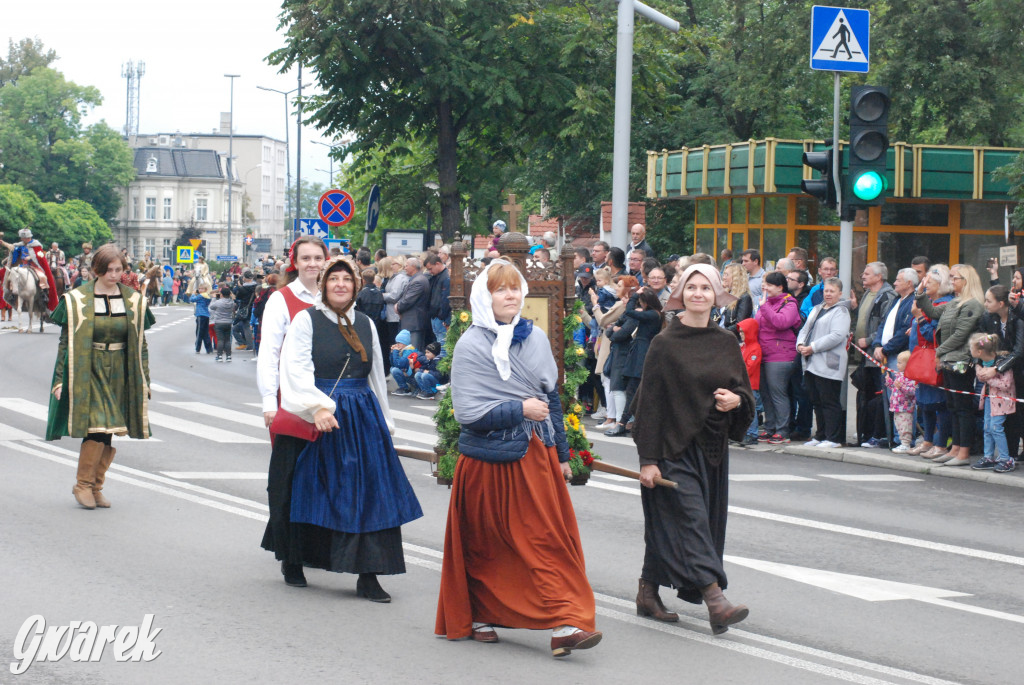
x=299, y=393
x=272, y=334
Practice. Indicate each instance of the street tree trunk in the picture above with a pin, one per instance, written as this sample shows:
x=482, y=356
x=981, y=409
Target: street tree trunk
x=447, y=171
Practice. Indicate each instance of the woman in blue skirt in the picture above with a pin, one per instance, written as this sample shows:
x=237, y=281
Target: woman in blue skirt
x=349, y=495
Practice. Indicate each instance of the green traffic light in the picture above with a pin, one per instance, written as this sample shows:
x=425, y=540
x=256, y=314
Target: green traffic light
x=869, y=186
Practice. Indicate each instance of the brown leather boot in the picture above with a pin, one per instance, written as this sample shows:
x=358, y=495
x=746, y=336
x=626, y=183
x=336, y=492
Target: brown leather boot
x=106, y=458
x=722, y=613
x=88, y=458
x=648, y=603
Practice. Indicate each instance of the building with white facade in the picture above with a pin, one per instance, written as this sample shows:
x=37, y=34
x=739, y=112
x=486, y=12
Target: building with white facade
x=191, y=167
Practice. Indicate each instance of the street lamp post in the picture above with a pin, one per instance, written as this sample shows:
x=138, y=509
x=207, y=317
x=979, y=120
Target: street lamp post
x=231, y=152
x=330, y=157
x=287, y=151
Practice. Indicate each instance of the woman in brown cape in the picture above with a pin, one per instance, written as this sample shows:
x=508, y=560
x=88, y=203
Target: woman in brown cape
x=694, y=396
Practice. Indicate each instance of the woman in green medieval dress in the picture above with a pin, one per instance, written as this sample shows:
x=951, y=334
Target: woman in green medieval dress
x=100, y=384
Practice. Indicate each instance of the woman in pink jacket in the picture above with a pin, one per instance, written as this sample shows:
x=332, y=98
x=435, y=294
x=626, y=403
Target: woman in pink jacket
x=779, y=320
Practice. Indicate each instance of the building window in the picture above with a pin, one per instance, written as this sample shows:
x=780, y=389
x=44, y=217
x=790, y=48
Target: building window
x=265, y=214
x=135, y=208
x=167, y=249
x=280, y=157
x=266, y=183
x=150, y=208
x=280, y=211
x=266, y=153
x=151, y=165
x=280, y=185
x=916, y=214
x=201, y=209
x=167, y=209
x=151, y=247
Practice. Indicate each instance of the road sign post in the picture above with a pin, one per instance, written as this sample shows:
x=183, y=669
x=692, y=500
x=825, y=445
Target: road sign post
x=336, y=207
x=372, y=213
x=840, y=39
x=185, y=254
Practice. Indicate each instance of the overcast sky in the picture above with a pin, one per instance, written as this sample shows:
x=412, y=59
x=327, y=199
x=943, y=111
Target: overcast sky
x=188, y=46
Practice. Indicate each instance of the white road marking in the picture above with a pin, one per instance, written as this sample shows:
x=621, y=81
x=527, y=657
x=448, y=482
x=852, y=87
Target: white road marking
x=216, y=475
x=870, y=478
x=250, y=419
x=116, y=474
x=156, y=387
x=37, y=411
x=413, y=436
x=767, y=478
x=612, y=477
x=413, y=418
x=202, y=431
x=870, y=589
x=12, y=433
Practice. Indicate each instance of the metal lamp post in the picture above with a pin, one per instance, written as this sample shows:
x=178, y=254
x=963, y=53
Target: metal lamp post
x=298, y=130
x=231, y=152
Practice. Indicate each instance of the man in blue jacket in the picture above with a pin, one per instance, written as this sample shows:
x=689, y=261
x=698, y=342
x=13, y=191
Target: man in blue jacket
x=440, y=287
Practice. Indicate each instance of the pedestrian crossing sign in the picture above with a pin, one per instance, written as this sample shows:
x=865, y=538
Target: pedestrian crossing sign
x=840, y=39
x=185, y=254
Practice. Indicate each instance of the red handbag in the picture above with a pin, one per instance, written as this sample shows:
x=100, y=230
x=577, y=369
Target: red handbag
x=921, y=365
x=287, y=423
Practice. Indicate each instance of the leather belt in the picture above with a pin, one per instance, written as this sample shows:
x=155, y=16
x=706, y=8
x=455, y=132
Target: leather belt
x=113, y=347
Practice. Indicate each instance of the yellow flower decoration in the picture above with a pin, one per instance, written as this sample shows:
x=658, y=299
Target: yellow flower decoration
x=580, y=351
x=578, y=318
x=464, y=317
x=576, y=409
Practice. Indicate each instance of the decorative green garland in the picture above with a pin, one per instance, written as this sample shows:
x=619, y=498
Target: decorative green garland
x=575, y=374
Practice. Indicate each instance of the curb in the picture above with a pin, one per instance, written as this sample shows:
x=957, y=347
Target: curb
x=885, y=461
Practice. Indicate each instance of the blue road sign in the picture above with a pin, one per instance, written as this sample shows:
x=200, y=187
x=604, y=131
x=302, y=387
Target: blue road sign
x=317, y=228
x=336, y=207
x=840, y=39
x=373, y=208
x=342, y=244
x=227, y=258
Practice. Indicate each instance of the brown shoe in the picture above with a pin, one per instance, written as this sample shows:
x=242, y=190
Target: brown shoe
x=721, y=612
x=648, y=603
x=88, y=458
x=563, y=646
x=486, y=634
x=101, y=472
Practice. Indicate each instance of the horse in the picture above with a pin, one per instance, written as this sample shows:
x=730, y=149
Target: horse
x=23, y=293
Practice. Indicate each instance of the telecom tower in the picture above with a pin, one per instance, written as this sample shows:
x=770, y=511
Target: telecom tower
x=133, y=71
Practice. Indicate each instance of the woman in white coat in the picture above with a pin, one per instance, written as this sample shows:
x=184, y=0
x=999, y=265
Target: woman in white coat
x=822, y=347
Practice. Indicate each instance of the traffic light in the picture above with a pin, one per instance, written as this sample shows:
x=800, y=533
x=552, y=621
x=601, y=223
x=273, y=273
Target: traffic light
x=869, y=141
x=822, y=188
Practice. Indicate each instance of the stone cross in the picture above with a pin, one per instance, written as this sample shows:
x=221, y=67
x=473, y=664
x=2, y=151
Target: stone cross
x=513, y=212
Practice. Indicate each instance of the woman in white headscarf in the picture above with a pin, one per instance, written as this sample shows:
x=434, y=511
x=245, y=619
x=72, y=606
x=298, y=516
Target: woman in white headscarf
x=694, y=396
x=512, y=551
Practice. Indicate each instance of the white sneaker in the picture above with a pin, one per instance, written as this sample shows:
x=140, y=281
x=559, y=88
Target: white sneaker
x=900, y=449
x=828, y=444
x=605, y=426
x=812, y=443
x=600, y=415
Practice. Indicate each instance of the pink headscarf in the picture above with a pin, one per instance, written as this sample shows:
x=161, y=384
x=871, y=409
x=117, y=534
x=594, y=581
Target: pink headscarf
x=722, y=298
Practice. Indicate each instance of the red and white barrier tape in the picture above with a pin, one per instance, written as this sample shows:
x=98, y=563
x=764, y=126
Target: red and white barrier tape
x=940, y=387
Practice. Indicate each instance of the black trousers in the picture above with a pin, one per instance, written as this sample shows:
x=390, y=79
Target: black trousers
x=961, y=407
x=867, y=416
x=823, y=394
x=632, y=384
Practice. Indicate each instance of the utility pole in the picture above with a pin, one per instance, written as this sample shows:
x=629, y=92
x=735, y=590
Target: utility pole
x=623, y=110
x=298, y=151
x=231, y=152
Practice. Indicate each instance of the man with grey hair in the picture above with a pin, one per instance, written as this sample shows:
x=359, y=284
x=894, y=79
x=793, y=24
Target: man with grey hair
x=414, y=306
x=784, y=266
x=599, y=251
x=891, y=338
x=877, y=297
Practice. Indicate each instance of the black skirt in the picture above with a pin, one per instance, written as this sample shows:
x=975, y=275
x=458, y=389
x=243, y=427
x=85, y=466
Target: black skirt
x=316, y=547
x=684, y=528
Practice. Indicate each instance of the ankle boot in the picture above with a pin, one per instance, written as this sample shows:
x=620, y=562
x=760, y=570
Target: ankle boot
x=88, y=458
x=106, y=458
x=648, y=603
x=722, y=613
x=368, y=587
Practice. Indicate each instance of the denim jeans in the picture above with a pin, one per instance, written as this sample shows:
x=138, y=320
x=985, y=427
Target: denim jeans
x=440, y=330
x=758, y=407
x=995, y=438
x=400, y=378
x=427, y=382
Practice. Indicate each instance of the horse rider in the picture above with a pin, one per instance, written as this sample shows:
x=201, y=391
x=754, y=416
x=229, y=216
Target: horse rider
x=57, y=261
x=29, y=253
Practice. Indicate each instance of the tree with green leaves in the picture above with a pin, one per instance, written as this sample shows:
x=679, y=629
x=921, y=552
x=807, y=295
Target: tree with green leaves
x=68, y=223
x=47, y=150
x=22, y=58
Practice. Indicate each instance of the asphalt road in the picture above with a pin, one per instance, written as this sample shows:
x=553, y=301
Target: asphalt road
x=852, y=573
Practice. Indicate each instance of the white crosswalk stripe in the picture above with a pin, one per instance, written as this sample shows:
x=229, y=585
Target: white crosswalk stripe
x=34, y=410
x=246, y=418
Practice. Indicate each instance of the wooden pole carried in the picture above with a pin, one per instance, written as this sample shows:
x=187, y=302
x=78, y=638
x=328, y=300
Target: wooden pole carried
x=619, y=471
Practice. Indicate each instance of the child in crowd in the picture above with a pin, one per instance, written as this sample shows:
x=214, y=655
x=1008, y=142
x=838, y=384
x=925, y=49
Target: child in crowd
x=998, y=385
x=606, y=293
x=427, y=376
x=751, y=351
x=403, y=359
x=222, y=313
x=201, y=300
x=902, y=402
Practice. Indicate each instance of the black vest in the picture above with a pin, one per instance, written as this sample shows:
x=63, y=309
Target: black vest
x=331, y=351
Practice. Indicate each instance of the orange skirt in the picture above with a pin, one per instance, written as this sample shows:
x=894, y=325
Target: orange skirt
x=512, y=551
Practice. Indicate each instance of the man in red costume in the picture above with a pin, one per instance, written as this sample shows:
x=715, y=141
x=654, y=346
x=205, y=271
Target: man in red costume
x=29, y=252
